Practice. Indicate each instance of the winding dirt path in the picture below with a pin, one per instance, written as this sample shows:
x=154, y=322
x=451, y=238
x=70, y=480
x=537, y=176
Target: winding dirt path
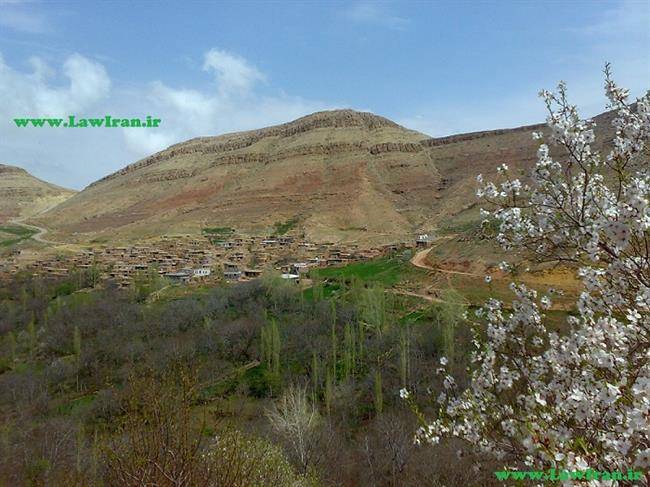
x=426, y=297
x=420, y=260
x=40, y=231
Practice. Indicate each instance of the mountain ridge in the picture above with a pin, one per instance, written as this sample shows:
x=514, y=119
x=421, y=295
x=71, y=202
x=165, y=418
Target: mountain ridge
x=340, y=118
x=342, y=175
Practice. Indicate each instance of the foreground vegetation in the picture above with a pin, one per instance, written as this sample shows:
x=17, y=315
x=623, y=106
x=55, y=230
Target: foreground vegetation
x=577, y=399
x=262, y=383
x=102, y=386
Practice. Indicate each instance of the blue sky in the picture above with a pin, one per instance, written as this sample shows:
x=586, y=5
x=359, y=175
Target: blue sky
x=211, y=67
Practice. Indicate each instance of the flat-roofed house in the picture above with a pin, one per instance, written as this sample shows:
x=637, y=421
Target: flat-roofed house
x=232, y=275
x=201, y=272
x=423, y=240
x=299, y=268
x=252, y=273
x=291, y=277
x=180, y=276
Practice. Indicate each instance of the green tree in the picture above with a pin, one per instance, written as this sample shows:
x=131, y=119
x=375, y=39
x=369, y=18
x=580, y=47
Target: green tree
x=11, y=342
x=333, y=341
x=276, y=346
x=318, y=291
x=270, y=345
x=76, y=345
x=32, y=336
x=405, y=355
x=349, y=352
x=329, y=391
x=373, y=308
x=379, y=394
x=446, y=315
x=315, y=379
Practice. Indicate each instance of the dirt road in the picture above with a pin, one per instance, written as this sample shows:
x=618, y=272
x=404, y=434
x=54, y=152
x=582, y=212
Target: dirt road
x=420, y=260
x=40, y=231
x=426, y=297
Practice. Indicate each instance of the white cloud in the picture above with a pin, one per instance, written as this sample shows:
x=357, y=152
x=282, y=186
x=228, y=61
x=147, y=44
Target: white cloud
x=375, y=13
x=234, y=105
x=625, y=18
x=233, y=73
x=147, y=142
x=76, y=157
x=16, y=15
x=66, y=157
x=31, y=94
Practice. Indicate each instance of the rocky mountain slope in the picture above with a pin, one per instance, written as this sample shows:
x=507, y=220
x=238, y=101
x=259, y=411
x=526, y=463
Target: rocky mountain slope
x=23, y=195
x=339, y=175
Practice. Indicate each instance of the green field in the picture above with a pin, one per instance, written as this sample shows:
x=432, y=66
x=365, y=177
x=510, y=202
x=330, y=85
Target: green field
x=13, y=234
x=281, y=228
x=218, y=230
x=386, y=271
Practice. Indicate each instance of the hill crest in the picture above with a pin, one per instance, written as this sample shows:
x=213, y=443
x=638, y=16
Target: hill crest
x=341, y=175
x=23, y=195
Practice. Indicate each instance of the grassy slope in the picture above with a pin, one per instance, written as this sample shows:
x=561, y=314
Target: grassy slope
x=477, y=256
x=13, y=234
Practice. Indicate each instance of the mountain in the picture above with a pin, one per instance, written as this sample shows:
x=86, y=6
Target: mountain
x=23, y=195
x=337, y=175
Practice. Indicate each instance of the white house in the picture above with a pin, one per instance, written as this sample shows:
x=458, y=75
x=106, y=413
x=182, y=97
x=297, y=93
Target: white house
x=201, y=272
x=291, y=277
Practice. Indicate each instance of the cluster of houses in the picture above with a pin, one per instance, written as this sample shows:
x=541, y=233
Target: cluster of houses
x=188, y=258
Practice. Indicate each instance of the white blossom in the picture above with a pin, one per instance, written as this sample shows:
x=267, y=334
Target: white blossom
x=579, y=398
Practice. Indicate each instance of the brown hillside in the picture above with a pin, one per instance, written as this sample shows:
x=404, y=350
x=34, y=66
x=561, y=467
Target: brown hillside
x=342, y=175
x=23, y=195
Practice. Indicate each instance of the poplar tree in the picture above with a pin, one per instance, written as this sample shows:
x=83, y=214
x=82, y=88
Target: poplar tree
x=76, y=345
x=334, y=341
x=404, y=355
x=33, y=338
x=275, y=346
x=315, y=379
x=329, y=392
x=349, y=352
x=11, y=339
x=379, y=394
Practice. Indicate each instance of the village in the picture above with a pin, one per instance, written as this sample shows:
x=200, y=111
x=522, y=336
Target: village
x=205, y=258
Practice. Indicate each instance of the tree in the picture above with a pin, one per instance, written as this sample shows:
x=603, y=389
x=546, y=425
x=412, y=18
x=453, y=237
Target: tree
x=328, y=394
x=349, y=352
x=11, y=340
x=576, y=398
x=76, y=346
x=300, y=425
x=160, y=443
x=270, y=345
x=32, y=336
x=404, y=355
x=373, y=308
x=379, y=393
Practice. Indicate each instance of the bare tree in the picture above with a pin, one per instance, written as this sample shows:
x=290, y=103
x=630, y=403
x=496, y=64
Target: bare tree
x=300, y=425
